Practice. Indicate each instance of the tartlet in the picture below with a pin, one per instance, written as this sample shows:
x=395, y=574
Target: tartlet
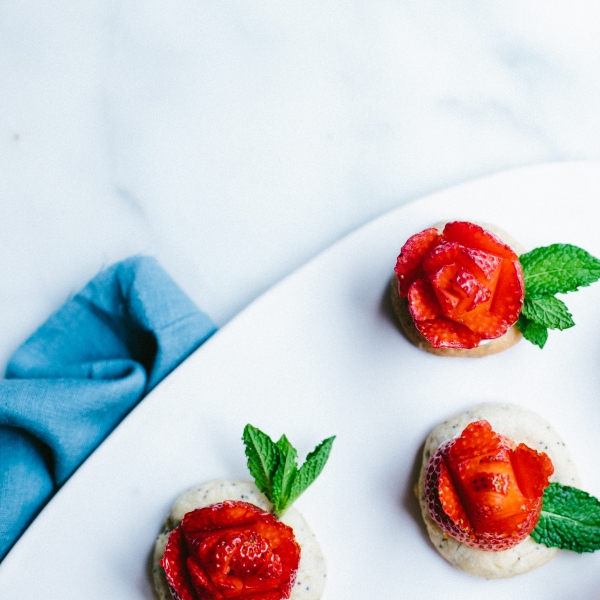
x=243, y=540
x=468, y=289
x=311, y=574
x=520, y=426
x=402, y=311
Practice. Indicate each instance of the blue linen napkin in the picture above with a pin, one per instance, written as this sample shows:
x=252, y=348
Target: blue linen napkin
x=73, y=380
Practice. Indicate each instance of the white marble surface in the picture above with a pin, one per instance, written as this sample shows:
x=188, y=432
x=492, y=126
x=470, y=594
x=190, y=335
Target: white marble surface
x=234, y=140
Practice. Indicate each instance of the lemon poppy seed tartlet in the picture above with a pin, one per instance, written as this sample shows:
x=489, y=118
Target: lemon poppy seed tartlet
x=458, y=289
x=521, y=427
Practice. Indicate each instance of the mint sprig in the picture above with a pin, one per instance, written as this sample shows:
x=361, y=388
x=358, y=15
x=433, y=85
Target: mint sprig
x=550, y=270
x=570, y=519
x=274, y=468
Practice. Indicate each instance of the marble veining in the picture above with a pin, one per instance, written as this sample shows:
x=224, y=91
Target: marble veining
x=235, y=140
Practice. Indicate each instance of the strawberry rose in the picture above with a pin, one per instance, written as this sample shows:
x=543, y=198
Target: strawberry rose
x=463, y=285
x=484, y=490
x=231, y=550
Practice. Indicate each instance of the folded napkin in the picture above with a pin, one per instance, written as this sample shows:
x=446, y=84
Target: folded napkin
x=71, y=383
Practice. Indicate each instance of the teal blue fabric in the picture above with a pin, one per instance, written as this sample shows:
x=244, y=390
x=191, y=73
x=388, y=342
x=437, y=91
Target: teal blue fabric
x=74, y=379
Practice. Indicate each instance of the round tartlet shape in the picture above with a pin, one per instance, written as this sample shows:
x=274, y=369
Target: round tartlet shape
x=401, y=309
x=521, y=426
x=311, y=574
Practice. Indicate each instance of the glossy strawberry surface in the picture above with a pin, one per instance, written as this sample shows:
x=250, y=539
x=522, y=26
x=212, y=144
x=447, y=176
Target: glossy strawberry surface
x=485, y=491
x=463, y=285
x=409, y=264
x=231, y=550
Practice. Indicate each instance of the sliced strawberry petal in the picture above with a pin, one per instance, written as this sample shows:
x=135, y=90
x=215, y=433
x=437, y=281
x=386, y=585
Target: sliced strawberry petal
x=487, y=263
x=422, y=301
x=444, y=333
x=507, y=301
x=444, y=254
x=450, y=499
x=492, y=318
x=218, y=516
x=484, y=324
x=173, y=562
x=532, y=470
x=200, y=581
x=458, y=290
x=474, y=236
x=408, y=265
x=477, y=439
x=471, y=287
x=444, y=289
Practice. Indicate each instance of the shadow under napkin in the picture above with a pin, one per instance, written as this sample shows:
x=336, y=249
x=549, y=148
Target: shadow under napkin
x=74, y=379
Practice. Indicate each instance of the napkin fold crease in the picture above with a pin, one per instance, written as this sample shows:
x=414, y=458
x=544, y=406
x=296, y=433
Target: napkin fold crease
x=80, y=373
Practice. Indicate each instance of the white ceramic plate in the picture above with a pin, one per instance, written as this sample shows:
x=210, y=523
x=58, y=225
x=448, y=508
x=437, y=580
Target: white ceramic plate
x=320, y=355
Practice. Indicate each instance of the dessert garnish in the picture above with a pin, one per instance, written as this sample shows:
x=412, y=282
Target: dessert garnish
x=231, y=550
x=570, y=519
x=550, y=270
x=465, y=285
x=275, y=470
x=489, y=493
x=234, y=549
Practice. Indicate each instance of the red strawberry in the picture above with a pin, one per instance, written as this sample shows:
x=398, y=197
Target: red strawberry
x=487, y=263
x=408, y=266
x=531, y=471
x=484, y=492
x=447, y=294
x=510, y=290
x=471, y=287
x=173, y=562
x=450, y=499
x=474, y=236
x=231, y=550
x=444, y=333
x=458, y=290
x=446, y=253
x=463, y=287
x=428, y=310
x=422, y=301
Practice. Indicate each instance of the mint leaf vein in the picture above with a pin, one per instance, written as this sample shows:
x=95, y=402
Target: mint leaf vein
x=570, y=519
x=558, y=269
x=548, y=311
x=284, y=475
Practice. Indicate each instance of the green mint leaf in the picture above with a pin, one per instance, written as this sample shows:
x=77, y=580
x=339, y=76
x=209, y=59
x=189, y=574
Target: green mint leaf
x=570, y=519
x=284, y=475
x=533, y=332
x=263, y=459
x=548, y=311
x=274, y=468
x=310, y=470
x=559, y=268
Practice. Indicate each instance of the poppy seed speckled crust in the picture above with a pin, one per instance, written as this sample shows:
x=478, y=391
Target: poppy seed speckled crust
x=521, y=426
